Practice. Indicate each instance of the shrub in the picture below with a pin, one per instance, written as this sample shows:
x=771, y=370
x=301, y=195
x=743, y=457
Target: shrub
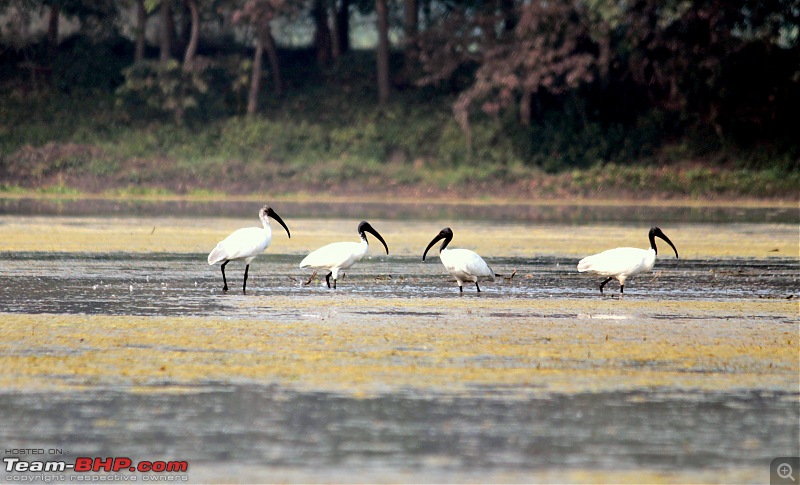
x=202, y=92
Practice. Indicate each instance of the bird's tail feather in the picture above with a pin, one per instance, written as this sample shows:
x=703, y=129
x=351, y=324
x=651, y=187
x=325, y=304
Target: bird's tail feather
x=585, y=265
x=216, y=255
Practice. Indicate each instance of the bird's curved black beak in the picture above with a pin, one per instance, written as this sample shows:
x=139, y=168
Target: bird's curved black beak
x=368, y=228
x=659, y=234
x=438, y=238
x=271, y=213
x=446, y=234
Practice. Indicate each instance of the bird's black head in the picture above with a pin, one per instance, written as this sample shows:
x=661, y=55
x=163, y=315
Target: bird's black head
x=365, y=226
x=656, y=232
x=446, y=234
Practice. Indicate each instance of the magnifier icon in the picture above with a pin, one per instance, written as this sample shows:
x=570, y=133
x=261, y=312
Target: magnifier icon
x=785, y=471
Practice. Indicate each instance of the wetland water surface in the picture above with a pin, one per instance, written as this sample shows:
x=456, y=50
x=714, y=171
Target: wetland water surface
x=117, y=341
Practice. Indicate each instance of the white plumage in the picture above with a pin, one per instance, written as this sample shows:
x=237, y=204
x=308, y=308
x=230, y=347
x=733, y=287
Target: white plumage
x=246, y=244
x=341, y=255
x=464, y=265
x=622, y=263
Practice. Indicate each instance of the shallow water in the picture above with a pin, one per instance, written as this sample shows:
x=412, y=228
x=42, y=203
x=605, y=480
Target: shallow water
x=317, y=436
x=182, y=284
x=394, y=376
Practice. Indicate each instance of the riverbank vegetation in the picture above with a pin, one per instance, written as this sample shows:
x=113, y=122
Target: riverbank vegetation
x=602, y=99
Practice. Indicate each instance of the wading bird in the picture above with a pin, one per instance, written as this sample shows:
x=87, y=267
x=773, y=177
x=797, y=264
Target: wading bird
x=341, y=255
x=622, y=263
x=246, y=244
x=463, y=264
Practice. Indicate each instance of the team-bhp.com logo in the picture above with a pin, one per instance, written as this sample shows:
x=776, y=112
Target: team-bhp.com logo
x=85, y=464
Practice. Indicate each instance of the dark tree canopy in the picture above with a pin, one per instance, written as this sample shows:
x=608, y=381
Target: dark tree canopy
x=731, y=68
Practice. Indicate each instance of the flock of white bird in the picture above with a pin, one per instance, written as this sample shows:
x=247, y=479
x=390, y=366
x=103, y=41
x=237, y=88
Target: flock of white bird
x=464, y=265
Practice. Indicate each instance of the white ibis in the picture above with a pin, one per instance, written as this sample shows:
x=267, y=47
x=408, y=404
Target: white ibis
x=341, y=255
x=622, y=263
x=463, y=264
x=246, y=244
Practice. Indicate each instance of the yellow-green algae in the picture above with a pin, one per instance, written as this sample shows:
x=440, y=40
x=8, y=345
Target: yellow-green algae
x=254, y=474
x=184, y=235
x=452, y=345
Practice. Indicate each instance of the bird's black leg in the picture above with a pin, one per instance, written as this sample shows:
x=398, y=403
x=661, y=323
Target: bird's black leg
x=328, y=279
x=604, y=283
x=478, y=287
x=460, y=289
x=244, y=285
x=334, y=283
x=621, y=289
x=224, y=281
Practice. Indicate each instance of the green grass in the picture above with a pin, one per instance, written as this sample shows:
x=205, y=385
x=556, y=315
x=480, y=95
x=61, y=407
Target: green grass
x=308, y=141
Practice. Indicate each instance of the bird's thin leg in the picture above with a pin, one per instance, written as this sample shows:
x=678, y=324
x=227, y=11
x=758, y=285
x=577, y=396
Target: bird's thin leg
x=244, y=284
x=604, y=283
x=328, y=279
x=334, y=283
x=224, y=281
x=478, y=287
x=460, y=289
x=311, y=278
x=621, y=289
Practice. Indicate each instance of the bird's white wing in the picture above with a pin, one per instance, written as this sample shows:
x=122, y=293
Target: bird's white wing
x=242, y=243
x=613, y=261
x=339, y=254
x=467, y=263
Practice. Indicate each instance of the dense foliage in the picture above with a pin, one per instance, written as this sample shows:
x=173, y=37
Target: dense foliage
x=491, y=89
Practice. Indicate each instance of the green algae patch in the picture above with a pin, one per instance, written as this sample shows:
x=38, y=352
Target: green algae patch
x=432, y=345
x=405, y=238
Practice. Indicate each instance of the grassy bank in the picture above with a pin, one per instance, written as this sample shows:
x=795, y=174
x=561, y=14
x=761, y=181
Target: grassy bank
x=309, y=143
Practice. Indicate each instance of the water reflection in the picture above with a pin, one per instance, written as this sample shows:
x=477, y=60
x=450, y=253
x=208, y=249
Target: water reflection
x=402, y=210
x=427, y=435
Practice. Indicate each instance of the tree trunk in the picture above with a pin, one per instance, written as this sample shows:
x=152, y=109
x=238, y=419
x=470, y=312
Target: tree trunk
x=255, y=77
x=166, y=35
x=141, y=24
x=410, y=23
x=382, y=53
x=525, y=107
x=52, y=29
x=336, y=39
x=191, y=49
x=322, y=32
x=274, y=65
x=343, y=26
x=426, y=11
x=510, y=15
